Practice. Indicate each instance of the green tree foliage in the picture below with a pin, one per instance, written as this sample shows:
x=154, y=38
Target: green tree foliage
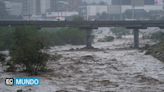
x=26, y=45
x=103, y=17
x=158, y=36
x=106, y=39
x=6, y=34
x=64, y=36
x=27, y=50
x=49, y=37
x=157, y=50
x=119, y=31
x=75, y=18
x=109, y=38
x=2, y=57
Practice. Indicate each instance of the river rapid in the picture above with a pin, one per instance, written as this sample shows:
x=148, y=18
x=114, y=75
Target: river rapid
x=114, y=67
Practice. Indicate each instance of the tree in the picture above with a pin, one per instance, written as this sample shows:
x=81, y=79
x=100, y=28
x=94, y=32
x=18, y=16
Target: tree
x=158, y=36
x=75, y=18
x=104, y=16
x=6, y=37
x=64, y=36
x=27, y=50
x=119, y=31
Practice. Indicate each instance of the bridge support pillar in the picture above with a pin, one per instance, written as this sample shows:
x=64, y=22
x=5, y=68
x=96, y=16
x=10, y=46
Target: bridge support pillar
x=136, y=38
x=89, y=39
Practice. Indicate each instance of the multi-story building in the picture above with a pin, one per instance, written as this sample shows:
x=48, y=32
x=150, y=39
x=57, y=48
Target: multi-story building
x=134, y=9
x=26, y=9
x=41, y=7
x=44, y=6
x=53, y=5
x=129, y=2
x=74, y=5
x=123, y=5
x=35, y=7
x=118, y=8
x=14, y=8
x=61, y=15
x=89, y=12
x=64, y=5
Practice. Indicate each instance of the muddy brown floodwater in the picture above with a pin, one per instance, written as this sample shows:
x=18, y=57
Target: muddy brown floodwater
x=107, y=70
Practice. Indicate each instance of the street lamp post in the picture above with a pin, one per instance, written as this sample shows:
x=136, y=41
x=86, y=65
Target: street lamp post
x=120, y=9
x=133, y=9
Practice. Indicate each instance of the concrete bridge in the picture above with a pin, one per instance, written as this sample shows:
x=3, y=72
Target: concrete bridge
x=89, y=25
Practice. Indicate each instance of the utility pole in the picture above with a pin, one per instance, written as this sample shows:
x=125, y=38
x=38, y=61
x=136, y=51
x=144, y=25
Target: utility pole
x=163, y=4
x=133, y=9
x=120, y=9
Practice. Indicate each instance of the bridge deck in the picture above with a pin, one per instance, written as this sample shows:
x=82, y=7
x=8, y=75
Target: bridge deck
x=87, y=24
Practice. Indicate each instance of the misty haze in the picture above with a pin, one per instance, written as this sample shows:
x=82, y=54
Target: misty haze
x=82, y=45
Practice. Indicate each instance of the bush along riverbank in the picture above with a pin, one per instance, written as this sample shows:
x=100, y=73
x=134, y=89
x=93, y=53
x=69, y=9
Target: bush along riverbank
x=27, y=46
x=157, y=50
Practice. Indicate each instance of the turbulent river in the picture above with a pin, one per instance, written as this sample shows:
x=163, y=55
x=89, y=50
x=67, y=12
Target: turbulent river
x=111, y=69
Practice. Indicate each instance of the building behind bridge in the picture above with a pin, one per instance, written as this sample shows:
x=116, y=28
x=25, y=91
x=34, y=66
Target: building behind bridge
x=122, y=9
x=116, y=9
x=38, y=8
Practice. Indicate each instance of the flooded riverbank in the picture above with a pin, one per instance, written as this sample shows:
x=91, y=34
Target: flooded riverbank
x=106, y=70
